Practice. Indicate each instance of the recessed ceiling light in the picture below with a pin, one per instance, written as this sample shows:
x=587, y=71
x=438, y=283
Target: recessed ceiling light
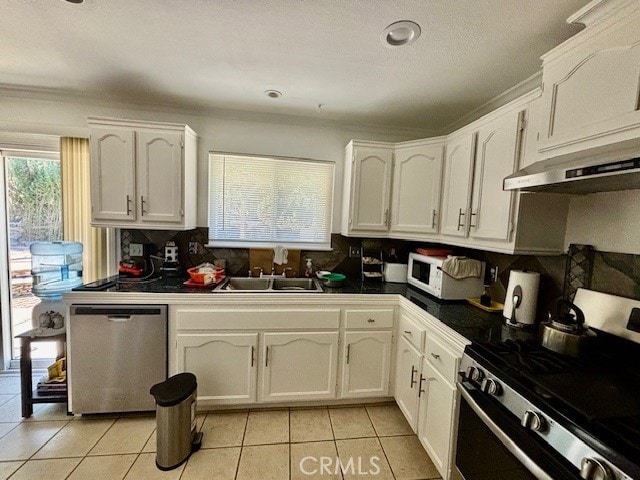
x=273, y=93
x=400, y=33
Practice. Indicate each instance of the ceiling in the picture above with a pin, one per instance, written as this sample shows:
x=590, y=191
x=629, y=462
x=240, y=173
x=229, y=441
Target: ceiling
x=325, y=56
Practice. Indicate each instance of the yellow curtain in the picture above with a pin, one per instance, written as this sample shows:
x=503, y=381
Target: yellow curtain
x=76, y=208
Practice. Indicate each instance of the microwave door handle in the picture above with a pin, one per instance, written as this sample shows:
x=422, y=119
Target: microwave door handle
x=510, y=445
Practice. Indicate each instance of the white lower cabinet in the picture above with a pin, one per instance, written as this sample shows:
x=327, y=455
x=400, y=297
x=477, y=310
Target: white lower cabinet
x=425, y=389
x=436, y=415
x=408, y=362
x=367, y=362
x=299, y=366
x=224, y=364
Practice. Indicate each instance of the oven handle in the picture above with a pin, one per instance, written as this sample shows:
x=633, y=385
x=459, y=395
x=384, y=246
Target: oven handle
x=503, y=437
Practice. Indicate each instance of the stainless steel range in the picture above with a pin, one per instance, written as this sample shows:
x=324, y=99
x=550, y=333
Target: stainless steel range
x=527, y=412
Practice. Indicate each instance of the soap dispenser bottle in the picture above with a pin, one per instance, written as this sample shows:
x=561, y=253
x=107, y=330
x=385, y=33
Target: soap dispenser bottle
x=309, y=270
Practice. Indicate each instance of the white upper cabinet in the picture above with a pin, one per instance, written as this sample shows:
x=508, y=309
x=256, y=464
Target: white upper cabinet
x=112, y=174
x=591, y=83
x=368, y=175
x=143, y=175
x=497, y=156
x=417, y=177
x=456, y=190
x=407, y=209
x=449, y=189
x=159, y=176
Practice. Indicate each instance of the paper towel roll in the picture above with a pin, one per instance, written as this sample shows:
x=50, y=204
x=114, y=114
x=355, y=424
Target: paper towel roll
x=529, y=282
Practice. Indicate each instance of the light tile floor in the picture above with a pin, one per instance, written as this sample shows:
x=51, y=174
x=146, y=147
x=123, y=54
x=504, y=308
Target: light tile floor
x=371, y=442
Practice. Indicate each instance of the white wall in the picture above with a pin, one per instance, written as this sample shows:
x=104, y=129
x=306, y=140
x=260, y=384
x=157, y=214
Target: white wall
x=609, y=221
x=239, y=132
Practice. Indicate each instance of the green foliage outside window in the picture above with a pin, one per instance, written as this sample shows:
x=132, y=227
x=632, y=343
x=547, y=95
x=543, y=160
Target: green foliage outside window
x=34, y=194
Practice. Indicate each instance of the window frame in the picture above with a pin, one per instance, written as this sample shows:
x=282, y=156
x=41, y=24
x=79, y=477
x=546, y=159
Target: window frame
x=229, y=243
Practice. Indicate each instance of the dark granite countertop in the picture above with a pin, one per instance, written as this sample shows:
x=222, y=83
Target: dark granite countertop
x=469, y=321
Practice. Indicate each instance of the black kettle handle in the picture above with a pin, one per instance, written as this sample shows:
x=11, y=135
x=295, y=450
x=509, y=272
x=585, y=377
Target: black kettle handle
x=567, y=306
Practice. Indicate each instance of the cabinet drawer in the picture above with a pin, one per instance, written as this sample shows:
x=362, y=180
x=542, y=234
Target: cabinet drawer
x=266, y=319
x=441, y=357
x=369, y=318
x=412, y=331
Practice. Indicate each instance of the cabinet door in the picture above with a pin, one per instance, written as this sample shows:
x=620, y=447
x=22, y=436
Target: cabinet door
x=371, y=188
x=435, y=425
x=497, y=156
x=224, y=364
x=299, y=366
x=112, y=175
x=367, y=362
x=456, y=189
x=159, y=176
x=417, y=178
x=590, y=96
x=408, y=361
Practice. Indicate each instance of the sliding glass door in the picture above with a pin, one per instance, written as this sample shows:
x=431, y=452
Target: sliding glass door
x=32, y=212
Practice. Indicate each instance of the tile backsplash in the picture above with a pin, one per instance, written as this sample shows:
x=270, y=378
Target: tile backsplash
x=614, y=273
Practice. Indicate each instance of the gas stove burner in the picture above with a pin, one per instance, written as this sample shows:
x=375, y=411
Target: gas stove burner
x=530, y=357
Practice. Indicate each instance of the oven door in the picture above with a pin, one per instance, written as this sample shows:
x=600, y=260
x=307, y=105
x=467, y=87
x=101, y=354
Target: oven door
x=492, y=445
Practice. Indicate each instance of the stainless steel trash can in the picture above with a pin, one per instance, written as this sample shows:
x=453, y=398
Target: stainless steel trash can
x=176, y=435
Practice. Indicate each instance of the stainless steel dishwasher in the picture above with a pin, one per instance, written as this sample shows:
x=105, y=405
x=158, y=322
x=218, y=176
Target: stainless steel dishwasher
x=115, y=354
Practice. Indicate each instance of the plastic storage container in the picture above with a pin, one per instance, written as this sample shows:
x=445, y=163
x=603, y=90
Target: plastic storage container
x=56, y=267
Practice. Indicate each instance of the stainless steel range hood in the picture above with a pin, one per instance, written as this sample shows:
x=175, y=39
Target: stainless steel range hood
x=583, y=175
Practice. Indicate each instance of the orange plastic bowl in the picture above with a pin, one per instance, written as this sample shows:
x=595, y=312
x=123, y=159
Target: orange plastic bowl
x=205, y=278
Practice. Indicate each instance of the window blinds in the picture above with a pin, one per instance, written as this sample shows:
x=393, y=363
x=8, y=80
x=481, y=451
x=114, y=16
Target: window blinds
x=267, y=201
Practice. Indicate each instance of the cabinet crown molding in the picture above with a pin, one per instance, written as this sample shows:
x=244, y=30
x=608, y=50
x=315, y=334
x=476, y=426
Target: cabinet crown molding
x=139, y=124
x=597, y=16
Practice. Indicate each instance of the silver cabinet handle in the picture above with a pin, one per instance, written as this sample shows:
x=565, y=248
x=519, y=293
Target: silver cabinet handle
x=460, y=215
x=420, y=389
x=348, y=353
x=386, y=217
x=252, y=352
x=371, y=320
x=266, y=357
x=435, y=355
x=128, y=205
x=142, y=202
x=433, y=218
x=473, y=215
x=408, y=332
x=413, y=372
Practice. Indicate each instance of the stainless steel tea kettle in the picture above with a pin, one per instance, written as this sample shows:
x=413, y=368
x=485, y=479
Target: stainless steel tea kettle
x=565, y=332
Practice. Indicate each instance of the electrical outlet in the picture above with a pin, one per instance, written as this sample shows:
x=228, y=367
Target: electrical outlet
x=193, y=248
x=135, y=250
x=354, y=252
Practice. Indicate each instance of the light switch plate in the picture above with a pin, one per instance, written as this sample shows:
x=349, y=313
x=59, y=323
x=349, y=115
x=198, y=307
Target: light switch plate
x=135, y=250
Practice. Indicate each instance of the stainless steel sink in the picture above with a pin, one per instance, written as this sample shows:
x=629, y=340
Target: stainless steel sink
x=269, y=285
x=246, y=284
x=304, y=284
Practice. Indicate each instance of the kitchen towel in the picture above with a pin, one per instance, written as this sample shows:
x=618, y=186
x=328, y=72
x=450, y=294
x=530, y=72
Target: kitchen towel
x=280, y=255
x=462, y=267
x=529, y=283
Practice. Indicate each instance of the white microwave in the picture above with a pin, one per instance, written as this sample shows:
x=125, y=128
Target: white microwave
x=426, y=273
